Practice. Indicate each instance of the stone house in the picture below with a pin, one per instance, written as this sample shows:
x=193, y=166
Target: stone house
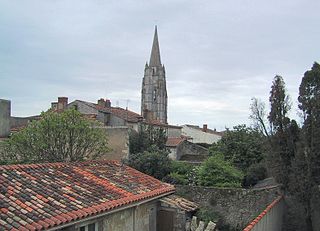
x=95, y=195
x=203, y=135
x=182, y=149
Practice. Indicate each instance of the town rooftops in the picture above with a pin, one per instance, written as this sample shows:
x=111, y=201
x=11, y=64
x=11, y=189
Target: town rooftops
x=174, y=141
x=42, y=196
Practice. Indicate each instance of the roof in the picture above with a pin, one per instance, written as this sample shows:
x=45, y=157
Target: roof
x=126, y=114
x=180, y=202
x=42, y=196
x=161, y=124
x=174, y=141
x=207, y=130
x=155, y=59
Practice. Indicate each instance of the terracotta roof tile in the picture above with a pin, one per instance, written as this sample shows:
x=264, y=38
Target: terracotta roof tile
x=41, y=196
x=174, y=141
x=127, y=115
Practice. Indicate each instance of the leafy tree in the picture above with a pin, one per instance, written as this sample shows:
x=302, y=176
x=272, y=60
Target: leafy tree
x=57, y=137
x=215, y=171
x=306, y=164
x=154, y=162
x=242, y=146
x=283, y=132
x=181, y=173
x=146, y=137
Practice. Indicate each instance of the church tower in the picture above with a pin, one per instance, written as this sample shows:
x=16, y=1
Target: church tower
x=154, y=97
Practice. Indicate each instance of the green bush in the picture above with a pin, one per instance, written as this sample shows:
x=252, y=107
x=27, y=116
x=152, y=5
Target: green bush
x=154, y=162
x=176, y=178
x=215, y=171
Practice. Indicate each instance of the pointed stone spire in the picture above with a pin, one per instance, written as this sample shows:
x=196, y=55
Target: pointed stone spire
x=155, y=52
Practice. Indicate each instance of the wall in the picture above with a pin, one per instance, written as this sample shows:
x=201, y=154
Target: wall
x=198, y=136
x=315, y=203
x=21, y=121
x=191, y=152
x=5, y=113
x=139, y=218
x=83, y=108
x=269, y=219
x=174, y=131
x=237, y=206
x=118, y=139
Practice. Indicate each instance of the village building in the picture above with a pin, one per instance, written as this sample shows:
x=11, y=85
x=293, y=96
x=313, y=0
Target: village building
x=183, y=150
x=95, y=195
x=203, y=135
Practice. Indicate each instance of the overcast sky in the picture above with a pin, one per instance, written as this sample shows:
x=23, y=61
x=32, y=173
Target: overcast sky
x=217, y=54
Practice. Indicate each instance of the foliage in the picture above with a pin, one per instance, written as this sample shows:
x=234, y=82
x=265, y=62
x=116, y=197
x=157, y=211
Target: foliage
x=255, y=173
x=180, y=173
x=146, y=137
x=242, y=146
x=57, y=137
x=154, y=162
x=258, y=114
x=215, y=171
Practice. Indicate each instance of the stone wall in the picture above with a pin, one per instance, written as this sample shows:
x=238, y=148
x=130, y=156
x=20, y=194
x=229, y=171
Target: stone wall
x=237, y=207
x=118, y=139
x=191, y=152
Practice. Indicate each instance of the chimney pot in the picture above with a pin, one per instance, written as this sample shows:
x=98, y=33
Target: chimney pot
x=101, y=102
x=108, y=103
x=205, y=128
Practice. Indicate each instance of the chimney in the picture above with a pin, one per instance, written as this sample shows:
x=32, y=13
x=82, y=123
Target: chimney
x=108, y=103
x=101, y=102
x=62, y=103
x=54, y=106
x=205, y=128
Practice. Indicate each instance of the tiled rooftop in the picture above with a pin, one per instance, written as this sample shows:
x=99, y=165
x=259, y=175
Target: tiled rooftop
x=127, y=115
x=174, y=141
x=40, y=196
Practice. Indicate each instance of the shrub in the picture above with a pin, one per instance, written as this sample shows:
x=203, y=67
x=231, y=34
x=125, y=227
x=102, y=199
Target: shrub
x=215, y=171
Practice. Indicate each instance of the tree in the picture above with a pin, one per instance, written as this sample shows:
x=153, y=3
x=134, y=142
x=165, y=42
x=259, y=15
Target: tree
x=306, y=163
x=282, y=145
x=242, y=146
x=215, y=171
x=154, y=162
x=146, y=137
x=148, y=152
x=57, y=137
x=258, y=114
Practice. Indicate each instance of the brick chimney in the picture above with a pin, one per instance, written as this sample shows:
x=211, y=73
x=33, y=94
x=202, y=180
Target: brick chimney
x=108, y=103
x=101, y=102
x=62, y=103
x=205, y=128
x=54, y=106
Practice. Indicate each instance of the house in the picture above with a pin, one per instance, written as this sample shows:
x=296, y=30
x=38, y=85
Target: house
x=94, y=195
x=203, y=135
x=182, y=149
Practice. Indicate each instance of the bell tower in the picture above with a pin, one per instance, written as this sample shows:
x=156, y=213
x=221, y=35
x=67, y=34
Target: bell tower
x=154, y=97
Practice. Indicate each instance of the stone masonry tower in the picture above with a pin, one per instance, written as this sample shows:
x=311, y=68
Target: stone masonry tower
x=154, y=97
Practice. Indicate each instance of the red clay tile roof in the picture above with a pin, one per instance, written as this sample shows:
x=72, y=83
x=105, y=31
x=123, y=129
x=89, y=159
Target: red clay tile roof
x=127, y=115
x=41, y=196
x=174, y=141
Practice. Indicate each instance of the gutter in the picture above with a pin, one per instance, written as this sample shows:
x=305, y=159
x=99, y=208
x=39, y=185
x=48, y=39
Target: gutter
x=136, y=204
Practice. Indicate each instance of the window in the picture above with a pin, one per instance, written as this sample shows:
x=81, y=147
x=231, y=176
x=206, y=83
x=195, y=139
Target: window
x=89, y=227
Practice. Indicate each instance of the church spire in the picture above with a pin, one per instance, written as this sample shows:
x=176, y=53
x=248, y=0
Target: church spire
x=155, y=52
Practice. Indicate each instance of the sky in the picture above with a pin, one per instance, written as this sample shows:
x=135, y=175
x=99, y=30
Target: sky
x=217, y=54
